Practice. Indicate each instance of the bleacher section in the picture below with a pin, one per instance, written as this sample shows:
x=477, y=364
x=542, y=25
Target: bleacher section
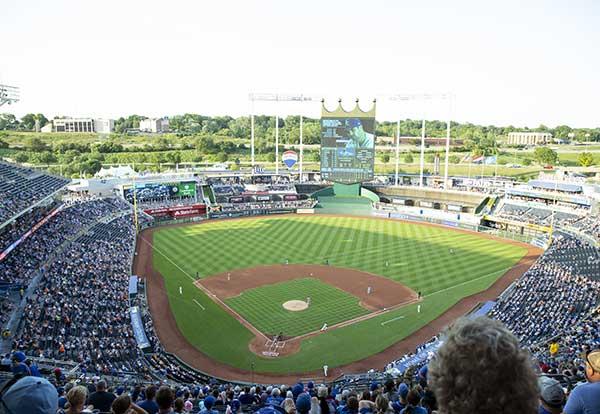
x=21, y=187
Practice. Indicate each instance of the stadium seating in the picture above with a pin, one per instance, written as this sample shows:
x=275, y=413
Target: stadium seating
x=78, y=313
x=32, y=253
x=21, y=187
x=561, y=276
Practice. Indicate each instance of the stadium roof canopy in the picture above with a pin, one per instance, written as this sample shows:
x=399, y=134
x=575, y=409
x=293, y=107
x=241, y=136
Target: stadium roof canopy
x=553, y=185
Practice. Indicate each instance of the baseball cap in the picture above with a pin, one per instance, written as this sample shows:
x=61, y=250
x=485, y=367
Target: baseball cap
x=551, y=392
x=593, y=358
x=19, y=356
x=403, y=390
x=32, y=395
x=209, y=402
x=303, y=403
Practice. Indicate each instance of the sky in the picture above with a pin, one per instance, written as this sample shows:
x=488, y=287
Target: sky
x=521, y=63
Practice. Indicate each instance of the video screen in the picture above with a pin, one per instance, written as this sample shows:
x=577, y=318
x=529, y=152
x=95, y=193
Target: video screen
x=347, y=149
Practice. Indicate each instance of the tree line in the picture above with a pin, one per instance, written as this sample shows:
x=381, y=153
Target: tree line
x=289, y=127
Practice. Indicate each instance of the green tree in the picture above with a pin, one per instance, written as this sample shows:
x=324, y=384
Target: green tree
x=453, y=159
x=28, y=121
x=174, y=157
x=408, y=158
x=545, y=155
x=8, y=122
x=45, y=157
x=222, y=157
x=21, y=157
x=36, y=145
x=3, y=144
x=585, y=159
x=385, y=158
x=527, y=162
x=271, y=157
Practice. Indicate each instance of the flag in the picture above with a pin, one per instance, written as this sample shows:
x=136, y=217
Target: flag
x=477, y=159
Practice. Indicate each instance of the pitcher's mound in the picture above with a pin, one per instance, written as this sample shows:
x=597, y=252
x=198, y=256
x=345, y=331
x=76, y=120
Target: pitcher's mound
x=295, y=305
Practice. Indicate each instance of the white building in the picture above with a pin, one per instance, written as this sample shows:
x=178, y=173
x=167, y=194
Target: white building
x=101, y=126
x=529, y=138
x=154, y=125
x=104, y=126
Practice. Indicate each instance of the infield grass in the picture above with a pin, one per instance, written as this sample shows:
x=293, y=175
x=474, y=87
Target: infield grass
x=263, y=306
x=445, y=265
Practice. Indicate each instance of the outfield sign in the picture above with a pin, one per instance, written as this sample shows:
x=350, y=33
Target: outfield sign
x=191, y=210
x=289, y=158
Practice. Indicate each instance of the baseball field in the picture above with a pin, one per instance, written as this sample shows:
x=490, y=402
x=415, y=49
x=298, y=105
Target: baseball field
x=226, y=282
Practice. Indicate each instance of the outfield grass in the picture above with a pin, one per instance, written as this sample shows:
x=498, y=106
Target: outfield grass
x=419, y=256
x=262, y=306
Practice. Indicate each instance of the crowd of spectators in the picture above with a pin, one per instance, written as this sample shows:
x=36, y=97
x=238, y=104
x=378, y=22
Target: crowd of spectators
x=79, y=311
x=480, y=368
x=20, y=187
x=552, y=294
x=273, y=205
x=11, y=232
x=169, y=202
x=589, y=225
x=18, y=266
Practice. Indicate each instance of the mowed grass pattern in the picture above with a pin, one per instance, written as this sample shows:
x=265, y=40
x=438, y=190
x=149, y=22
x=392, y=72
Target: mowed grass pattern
x=445, y=265
x=263, y=306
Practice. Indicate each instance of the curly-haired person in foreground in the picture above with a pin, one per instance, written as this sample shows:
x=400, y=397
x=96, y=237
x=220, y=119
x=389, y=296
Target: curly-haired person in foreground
x=481, y=369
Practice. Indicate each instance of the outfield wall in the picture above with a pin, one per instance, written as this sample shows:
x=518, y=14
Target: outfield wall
x=454, y=224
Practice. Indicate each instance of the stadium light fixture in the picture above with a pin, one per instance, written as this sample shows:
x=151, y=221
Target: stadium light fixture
x=275, y=97
x=9, y=94
x=403, y=97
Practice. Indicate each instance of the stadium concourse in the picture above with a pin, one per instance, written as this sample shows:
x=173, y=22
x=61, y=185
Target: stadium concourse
x=77, y=330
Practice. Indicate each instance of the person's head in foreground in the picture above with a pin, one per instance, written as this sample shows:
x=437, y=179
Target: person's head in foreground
x=552, y=396
x=592, y=365
x=585, y=398
x=481, y=369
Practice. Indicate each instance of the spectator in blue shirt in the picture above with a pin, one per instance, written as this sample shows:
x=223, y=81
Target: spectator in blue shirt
x=149, y=404
x=585, y=398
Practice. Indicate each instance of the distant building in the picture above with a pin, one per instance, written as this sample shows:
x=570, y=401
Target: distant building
x=529, y=138
x=104, y=126
x=154, y=125
x=101, y=126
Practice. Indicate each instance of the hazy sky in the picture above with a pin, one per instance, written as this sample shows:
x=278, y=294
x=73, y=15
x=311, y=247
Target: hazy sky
x=508, y=62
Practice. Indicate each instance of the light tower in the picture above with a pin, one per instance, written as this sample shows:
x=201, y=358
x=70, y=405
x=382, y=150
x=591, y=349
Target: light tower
x=273, y=97
x=448, y=97
x=9, y=94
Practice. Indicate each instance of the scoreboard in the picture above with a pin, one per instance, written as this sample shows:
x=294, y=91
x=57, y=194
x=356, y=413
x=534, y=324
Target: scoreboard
x=347, y=148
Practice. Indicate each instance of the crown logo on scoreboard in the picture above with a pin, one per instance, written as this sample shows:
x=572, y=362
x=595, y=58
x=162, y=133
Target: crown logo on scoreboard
x=340, y=112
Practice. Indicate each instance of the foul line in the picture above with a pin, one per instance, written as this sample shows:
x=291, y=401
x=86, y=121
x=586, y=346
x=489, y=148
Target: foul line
x=392, y=320
x=199, y=304
x=504, y=271
x=171, y=261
